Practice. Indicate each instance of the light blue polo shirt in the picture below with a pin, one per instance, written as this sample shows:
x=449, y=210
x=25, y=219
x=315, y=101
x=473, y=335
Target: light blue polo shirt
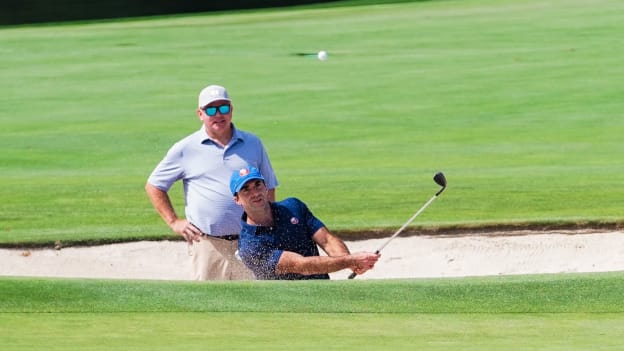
x=205, y=168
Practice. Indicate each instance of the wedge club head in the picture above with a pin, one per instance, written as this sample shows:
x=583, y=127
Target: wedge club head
x=440, y=179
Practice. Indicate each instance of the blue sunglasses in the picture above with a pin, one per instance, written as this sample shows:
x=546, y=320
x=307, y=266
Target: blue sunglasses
x=223, y=109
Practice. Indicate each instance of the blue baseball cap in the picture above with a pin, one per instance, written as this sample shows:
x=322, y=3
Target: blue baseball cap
x=242, y=176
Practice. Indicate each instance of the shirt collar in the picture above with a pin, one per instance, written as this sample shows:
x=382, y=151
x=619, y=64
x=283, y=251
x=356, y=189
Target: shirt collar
x=205, y=138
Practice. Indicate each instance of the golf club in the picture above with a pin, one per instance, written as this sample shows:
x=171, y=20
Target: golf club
x=440, y=179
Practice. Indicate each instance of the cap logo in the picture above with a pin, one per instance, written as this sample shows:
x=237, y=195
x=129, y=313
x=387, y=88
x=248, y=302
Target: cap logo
x=215, y=92
x=294, y=220
x=243, y=172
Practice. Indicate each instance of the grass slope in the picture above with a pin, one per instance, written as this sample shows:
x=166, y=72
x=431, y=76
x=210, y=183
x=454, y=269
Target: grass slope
x=571, y=293
x=572, y=312
x=518, y=101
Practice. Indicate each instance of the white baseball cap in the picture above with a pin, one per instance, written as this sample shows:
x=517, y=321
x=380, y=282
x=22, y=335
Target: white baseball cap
x=212, y=93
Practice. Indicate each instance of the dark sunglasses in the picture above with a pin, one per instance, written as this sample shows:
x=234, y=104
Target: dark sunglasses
x=223, y=109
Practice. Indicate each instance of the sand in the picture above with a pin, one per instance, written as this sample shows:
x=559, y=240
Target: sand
x=476, y=254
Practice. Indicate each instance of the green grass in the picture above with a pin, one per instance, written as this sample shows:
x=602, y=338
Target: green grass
x=279, y=331
x=570, y=293
x=548, y=312
x=518, y=102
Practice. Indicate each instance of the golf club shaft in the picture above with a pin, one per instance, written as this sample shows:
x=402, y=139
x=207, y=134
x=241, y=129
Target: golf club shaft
x=403, y=227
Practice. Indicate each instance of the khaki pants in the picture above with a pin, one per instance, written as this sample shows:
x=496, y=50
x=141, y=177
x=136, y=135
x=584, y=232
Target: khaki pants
x=214, y=259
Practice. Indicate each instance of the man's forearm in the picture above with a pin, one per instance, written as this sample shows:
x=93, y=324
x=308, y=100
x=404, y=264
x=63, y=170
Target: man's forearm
x=162, y=203
x=313, y=264
x=331, y=244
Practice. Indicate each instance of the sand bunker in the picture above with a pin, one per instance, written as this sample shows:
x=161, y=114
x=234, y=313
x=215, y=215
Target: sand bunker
x=405, y=257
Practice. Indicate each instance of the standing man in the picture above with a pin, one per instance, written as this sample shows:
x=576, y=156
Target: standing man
x=279, y=239
x=204, y=161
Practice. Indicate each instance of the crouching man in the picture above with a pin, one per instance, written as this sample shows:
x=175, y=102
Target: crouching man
x=279, y=240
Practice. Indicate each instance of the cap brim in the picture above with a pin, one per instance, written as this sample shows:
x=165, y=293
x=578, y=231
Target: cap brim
x=243, y=181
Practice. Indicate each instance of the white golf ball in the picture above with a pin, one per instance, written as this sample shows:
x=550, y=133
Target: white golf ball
x=322, y=55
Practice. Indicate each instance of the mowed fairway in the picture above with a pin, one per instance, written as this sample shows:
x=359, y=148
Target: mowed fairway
x=311, y=331
x=518, y=102
x=572, y=312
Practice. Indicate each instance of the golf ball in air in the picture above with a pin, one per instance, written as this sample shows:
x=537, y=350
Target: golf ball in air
x=322, y=55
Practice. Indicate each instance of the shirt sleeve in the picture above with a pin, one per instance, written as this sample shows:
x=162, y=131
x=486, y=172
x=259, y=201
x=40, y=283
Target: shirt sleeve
x=266, y=169
x=169, y=170
x=313, y=223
